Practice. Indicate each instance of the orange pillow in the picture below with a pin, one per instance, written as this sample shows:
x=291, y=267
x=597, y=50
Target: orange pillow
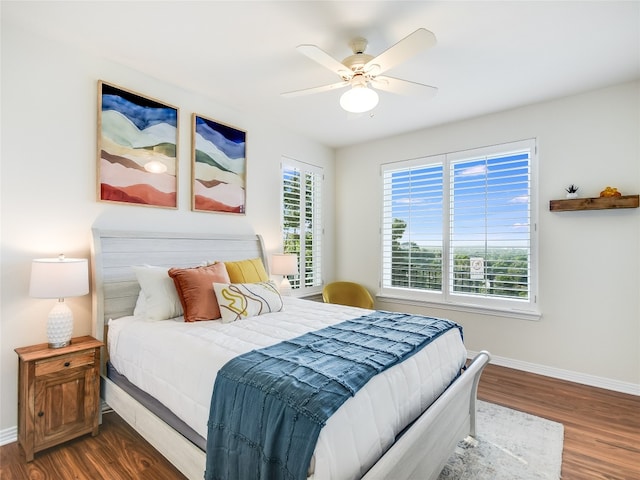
x=247, y=271
x=195, y=290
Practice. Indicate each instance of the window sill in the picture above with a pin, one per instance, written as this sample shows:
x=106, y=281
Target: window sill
x=315, y=297
x=457, y=307
x=313, y=293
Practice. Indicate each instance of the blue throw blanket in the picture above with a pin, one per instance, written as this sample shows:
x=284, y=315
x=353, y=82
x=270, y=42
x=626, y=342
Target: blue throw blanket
x=269, y=405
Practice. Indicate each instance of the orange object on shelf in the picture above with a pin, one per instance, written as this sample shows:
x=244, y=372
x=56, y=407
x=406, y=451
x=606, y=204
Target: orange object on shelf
x=610, y=192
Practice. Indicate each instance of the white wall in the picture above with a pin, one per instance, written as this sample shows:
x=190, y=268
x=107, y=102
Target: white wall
x=589, y=261
x=48, y=189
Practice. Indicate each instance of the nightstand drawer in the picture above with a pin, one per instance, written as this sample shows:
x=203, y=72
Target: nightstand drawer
x=65, y=362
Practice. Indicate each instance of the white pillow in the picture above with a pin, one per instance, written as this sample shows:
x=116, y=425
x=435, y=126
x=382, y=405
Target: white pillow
x=140, y=309
x=244, y=300
x=161, y=298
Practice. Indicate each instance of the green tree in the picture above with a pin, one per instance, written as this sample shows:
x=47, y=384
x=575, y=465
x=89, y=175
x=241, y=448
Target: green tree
x=413, y=266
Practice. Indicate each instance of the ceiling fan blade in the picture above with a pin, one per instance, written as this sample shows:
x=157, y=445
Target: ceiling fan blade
x=308, y=91
x=402, y=87
x=323, y=58
x=409, y=46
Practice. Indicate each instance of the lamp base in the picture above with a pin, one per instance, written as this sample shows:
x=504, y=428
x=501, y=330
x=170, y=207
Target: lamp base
x=59, y=326
x=285, y=286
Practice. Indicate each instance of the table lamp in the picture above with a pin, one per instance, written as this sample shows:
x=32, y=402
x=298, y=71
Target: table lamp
x=284, y=264
x=59, y=278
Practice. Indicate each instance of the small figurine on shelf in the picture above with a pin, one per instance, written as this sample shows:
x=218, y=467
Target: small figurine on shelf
x=572, y=191
x=610, y=192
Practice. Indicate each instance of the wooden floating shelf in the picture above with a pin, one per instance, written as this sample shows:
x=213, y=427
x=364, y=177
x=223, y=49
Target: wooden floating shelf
x=597, y=203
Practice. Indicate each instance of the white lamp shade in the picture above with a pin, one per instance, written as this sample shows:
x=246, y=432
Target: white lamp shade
x=359, y=99
x=284, y=264
x=59, y=277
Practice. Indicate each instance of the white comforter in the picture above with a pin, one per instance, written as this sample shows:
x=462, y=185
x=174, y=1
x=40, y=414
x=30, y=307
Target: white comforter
x=177, y=363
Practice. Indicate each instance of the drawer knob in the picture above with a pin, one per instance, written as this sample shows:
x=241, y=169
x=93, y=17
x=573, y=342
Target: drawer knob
x=66, y=364
x=40, y=414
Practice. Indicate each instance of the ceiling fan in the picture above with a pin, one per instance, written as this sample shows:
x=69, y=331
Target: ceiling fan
x=361, y=71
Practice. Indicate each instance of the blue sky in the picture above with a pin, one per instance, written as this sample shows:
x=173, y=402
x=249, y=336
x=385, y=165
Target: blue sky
x=489, y=202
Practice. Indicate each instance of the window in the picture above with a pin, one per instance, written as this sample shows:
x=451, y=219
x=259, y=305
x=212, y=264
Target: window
x=459, y=228
x=302, y=221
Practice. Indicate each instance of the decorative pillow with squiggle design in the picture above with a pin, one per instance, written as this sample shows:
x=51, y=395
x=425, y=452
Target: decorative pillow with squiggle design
x=244, y=300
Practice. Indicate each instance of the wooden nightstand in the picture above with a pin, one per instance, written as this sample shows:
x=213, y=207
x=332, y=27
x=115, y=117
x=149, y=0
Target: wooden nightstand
x=58, y=393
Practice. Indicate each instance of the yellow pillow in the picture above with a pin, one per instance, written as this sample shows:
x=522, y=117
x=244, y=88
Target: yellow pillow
x=247, y=271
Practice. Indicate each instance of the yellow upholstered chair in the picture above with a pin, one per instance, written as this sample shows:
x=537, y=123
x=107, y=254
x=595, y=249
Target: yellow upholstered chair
x=347, y=293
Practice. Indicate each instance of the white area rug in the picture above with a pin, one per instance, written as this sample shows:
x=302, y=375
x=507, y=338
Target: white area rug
x=510, y=445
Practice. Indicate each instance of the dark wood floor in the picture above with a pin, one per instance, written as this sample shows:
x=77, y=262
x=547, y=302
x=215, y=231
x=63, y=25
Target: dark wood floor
x=602, y=436
x=117, y=453
x=601, y=427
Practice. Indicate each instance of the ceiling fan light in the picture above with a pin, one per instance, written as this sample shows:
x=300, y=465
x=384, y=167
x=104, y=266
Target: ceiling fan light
x=359, y=99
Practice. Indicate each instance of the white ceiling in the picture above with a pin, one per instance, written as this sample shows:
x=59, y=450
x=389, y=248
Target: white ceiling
x=490, y=56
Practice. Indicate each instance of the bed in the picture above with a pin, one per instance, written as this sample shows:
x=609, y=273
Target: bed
x=152, y=405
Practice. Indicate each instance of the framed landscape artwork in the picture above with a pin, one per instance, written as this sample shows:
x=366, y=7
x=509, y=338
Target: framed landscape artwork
x=219, y=167
x=137, y=145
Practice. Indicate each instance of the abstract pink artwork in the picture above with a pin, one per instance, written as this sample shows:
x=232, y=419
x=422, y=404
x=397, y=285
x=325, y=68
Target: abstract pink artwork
x=137, y=145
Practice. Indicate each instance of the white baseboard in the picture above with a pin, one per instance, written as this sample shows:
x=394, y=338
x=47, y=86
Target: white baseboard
x=10, y=434
x=576, y=377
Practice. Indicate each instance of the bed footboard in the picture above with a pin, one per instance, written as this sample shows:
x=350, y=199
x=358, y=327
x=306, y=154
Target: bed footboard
x=420, y=453
x=423, y=450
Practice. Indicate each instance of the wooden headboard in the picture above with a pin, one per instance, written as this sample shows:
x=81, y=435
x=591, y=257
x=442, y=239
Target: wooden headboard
x=113, y=253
